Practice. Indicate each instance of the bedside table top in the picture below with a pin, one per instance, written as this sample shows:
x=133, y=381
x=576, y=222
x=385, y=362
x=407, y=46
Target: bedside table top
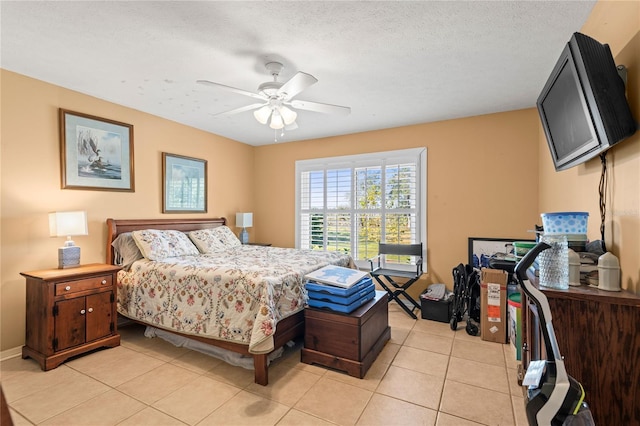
x=52, y=274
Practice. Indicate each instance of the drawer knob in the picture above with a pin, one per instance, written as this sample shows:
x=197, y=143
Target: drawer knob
x=67, y=288
x=90, y=310
x=82, y=312
x=104, y=282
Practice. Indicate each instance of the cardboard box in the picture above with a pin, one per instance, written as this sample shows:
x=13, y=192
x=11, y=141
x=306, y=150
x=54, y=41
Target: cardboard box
x=493, y=305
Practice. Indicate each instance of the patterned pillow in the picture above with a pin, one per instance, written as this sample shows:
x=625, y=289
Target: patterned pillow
x=158, y=245
x=227, y=237
x=207, y=241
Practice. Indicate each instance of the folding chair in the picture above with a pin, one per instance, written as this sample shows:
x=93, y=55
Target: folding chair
x=382, y=273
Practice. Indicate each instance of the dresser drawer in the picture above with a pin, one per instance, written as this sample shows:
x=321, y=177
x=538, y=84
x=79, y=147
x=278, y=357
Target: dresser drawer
x=69, y=287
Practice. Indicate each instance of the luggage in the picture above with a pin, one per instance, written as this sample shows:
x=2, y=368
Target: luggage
x=345, y=309
x=339, y=299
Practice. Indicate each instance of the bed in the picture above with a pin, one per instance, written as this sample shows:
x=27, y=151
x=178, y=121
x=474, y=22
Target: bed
x=247, y=299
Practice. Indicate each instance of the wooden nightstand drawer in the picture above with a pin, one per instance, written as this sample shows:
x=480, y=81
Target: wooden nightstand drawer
x=76, y=286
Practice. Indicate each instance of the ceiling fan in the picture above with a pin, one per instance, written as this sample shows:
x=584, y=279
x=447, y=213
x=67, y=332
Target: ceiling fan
x=276, y=98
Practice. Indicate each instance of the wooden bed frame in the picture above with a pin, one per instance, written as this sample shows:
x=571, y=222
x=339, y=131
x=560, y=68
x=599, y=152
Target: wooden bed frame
x=287, y=329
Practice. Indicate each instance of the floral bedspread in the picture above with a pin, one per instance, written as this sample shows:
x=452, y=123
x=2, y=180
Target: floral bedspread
x=238, y=295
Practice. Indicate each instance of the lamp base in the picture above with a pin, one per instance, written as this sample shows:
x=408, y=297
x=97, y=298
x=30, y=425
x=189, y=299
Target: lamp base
x=244, y=236
x=68, y=257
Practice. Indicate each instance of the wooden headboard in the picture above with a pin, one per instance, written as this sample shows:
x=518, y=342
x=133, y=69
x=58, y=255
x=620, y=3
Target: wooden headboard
x=116, y=227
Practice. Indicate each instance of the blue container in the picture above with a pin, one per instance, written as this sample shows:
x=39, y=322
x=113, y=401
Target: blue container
x=565, y=222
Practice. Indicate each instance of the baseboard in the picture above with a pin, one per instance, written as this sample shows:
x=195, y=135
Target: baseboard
x=10, y=353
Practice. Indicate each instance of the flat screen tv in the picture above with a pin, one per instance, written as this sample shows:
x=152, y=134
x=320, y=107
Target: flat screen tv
x=583, y=107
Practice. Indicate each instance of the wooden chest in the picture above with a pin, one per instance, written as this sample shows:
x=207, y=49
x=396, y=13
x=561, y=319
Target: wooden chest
x=347, y=342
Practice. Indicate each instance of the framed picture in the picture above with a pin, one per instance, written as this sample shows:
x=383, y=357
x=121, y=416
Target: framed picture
x=482, y=249
x=95, y=153
x=184, y=184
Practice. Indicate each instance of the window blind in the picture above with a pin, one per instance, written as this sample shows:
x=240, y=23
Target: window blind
x=352, y=203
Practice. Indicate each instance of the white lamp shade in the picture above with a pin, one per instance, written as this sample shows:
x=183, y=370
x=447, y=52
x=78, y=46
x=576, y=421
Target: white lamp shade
x=262, y=115
x=289, y=116
x=276, y=121
x=244, y=220
x=66, y=224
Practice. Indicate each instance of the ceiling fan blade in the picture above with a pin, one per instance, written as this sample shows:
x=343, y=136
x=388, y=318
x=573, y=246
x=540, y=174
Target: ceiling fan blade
x=241, y=109
x=318, y=107
x=291, y=126
x=297, y=84
x=232, y=89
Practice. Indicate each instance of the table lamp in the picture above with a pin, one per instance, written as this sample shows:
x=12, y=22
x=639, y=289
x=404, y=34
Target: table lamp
x=68, y=224
x=244, y=221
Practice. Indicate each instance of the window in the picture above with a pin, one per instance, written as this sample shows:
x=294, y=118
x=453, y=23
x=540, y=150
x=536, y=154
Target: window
x=352, y=203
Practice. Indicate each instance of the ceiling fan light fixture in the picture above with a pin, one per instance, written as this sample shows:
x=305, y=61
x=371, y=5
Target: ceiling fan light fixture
x=262, y=114
x=274, y=95
x=288, y=115
x=276, y=120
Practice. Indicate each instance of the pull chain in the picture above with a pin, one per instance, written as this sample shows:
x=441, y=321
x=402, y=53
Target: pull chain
x=275, y=134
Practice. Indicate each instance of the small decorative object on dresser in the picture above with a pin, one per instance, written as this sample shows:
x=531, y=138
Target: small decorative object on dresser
x=70, y=312
x=68, y=224
x=244, y=221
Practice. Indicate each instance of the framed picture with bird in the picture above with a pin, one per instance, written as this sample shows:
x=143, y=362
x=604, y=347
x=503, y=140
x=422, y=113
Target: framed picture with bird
x=95, y=153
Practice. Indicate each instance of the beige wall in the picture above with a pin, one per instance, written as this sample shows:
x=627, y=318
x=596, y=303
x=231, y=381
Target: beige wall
x=31, y=182
x=616, y=23
x=481, y=182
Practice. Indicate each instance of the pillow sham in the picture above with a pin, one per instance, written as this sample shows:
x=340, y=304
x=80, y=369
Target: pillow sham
x=207, y=241
x=227, y=237
x=126, y=250
x=160, y=244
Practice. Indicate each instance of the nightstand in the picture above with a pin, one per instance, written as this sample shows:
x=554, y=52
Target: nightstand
x=70, y=312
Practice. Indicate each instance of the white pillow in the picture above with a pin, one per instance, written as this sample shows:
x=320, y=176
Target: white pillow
x=207, y=241
x=159, y=244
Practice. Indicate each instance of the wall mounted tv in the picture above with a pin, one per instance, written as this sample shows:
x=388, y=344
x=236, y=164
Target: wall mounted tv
x=582, y=106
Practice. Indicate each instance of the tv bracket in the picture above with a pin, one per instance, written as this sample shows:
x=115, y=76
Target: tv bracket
x=622, y=72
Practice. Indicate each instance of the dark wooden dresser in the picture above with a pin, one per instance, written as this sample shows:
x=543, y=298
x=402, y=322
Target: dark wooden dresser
x=598, y=334
x=347, y=342
x=70, y=312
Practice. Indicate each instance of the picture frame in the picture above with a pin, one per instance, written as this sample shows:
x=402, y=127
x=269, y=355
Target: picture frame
x=184, y=184
x=95, y=153
x=489, y=247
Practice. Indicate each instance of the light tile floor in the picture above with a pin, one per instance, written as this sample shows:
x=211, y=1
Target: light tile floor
x=426, y=375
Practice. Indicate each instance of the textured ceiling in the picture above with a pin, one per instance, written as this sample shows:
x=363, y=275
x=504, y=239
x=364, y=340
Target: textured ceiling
x=394, y=63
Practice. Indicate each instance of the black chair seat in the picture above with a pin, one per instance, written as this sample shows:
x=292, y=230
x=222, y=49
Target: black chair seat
x=385, y=276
